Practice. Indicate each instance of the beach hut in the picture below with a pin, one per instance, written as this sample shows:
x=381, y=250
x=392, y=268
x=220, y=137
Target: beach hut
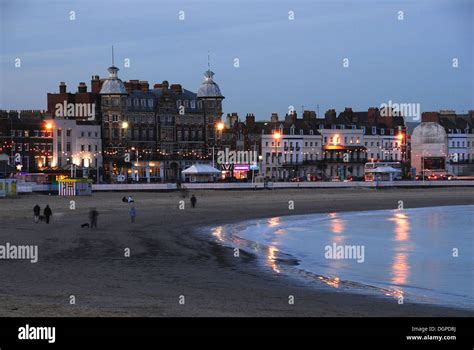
x=200, y=173
x=385, y=173
x=75, y=187
x=7, y=187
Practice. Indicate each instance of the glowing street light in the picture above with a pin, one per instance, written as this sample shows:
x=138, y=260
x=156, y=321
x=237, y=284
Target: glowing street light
x=124, y=125
x=220, y=126
x=49, y=126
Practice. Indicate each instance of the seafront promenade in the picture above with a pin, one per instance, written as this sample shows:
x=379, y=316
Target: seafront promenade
x=31, y=187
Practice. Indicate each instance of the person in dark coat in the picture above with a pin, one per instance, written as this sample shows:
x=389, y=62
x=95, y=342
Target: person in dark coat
x=93, y=214
x=193, y=200
x=47, y=213
x=133, y=214
x=37, y=212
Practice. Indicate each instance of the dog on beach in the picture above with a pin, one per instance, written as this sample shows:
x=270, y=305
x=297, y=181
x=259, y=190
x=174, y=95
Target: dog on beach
x=85, y=225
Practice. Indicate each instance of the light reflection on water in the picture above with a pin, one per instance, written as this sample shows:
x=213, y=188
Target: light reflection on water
x=405, y=250
x=271, y=259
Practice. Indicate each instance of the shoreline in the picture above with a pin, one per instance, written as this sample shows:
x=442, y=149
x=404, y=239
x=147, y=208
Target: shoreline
x=169, y=259
x=291, y=266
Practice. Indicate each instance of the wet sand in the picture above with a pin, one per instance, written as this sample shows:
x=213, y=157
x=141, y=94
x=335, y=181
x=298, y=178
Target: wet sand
x=168, y=259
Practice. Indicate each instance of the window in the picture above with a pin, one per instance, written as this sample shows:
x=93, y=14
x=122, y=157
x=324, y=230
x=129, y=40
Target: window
x=301, y=132
x=82, y=133
x=96, y=134
x=135, y=102
x=68, y=147
x=59, y=147
x=345, y=140
x=96, y=148
x=311, y=132
x=26, y=133
x=374, y=130
x=150, y=102
x=143, y=102
x=68, y=132
x=58, y=132
x=82, y=147
x=382, y=131
x=193, y=104
x=89, y=134
x=363, y=129
x=391, y=131
x=89, y=148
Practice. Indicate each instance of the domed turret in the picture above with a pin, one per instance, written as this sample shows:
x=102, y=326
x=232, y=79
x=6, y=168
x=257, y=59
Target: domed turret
x=113, y=85
x=209, y=88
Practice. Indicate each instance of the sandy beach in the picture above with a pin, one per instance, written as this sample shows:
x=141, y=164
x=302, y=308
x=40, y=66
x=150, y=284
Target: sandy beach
x=169, y=259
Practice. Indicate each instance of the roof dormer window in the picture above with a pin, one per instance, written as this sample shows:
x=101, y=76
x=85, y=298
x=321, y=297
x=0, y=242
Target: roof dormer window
x=374, y=130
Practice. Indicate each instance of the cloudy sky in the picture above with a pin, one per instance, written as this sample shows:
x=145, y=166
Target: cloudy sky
x=282, y=62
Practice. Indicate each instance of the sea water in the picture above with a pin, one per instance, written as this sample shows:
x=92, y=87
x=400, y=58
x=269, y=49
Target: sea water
x=419, y=255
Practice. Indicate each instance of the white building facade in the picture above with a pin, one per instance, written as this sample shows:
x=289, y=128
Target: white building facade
x=76, y=142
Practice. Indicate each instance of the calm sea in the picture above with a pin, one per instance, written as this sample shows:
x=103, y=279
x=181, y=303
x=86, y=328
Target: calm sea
x=419, y=255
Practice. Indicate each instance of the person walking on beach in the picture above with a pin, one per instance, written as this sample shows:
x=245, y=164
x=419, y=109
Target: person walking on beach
x=93, y=214
x=37, y=212
x=133, y=214
x=47, y=213
x=193, y=200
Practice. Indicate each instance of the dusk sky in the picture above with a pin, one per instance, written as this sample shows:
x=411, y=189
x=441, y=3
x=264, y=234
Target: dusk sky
x=282, y=62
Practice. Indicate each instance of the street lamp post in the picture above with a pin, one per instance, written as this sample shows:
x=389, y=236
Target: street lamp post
x=219, y=126
x=276, y=138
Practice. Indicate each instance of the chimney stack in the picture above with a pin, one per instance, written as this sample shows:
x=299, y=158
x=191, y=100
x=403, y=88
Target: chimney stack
x=330, y=116
x=176, y=88
x=309, y=116
x=372, y=115
x=430, y=117
x=232, y=119
x=82, y=87
x=274, y=118
x=62, y=87
x=144, y=85
x=95, y=84
x=250, y=120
